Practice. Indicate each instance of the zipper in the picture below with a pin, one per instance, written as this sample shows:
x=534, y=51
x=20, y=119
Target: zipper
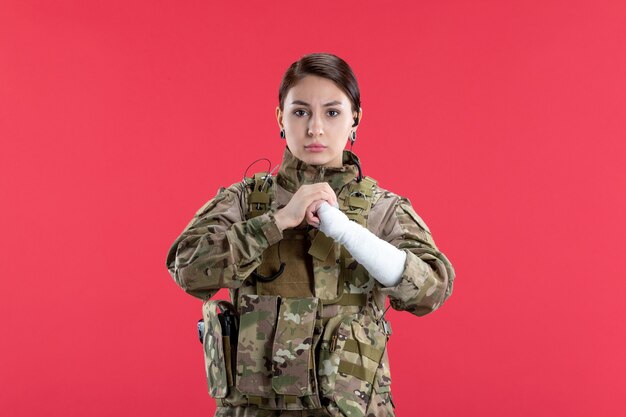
x=321, y=174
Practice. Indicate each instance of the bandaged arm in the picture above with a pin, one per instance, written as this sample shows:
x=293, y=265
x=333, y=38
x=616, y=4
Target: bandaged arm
x=381, y=259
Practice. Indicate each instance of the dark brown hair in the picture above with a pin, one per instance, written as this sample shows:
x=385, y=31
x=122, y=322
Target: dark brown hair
x=323, y=65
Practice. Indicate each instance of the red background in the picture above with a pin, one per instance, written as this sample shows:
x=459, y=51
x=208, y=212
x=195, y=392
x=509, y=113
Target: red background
x=503, y=122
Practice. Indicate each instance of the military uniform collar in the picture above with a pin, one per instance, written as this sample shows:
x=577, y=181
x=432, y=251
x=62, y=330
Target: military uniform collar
x=293, y=172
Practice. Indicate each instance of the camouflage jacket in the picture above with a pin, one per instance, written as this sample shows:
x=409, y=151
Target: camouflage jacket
x=219, y=248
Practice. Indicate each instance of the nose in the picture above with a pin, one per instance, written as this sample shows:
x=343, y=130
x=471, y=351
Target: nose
x=315, y=126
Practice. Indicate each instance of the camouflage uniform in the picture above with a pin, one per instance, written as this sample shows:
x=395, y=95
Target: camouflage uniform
x=302, y=345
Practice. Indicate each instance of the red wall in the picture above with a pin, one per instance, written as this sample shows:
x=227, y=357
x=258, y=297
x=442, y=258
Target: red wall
x=503, y=122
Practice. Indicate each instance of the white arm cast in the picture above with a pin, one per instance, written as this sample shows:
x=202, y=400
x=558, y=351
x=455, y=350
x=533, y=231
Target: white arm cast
x=382, y=260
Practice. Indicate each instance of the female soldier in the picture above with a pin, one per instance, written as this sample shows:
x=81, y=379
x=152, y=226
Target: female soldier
x=309, y=257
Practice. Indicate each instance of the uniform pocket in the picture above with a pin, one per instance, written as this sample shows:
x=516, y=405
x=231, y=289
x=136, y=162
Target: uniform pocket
x=216, y=351
x=291, y=354
x=349, y=362
x=257, y=325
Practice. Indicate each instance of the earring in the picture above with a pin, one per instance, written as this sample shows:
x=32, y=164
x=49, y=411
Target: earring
x=282, y=133
x=353, y=136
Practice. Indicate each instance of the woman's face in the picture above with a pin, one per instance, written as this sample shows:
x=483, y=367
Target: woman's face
x=317, y=120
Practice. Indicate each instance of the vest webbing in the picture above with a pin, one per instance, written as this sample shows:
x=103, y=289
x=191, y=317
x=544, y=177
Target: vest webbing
x=260, y=197
x=356, y=205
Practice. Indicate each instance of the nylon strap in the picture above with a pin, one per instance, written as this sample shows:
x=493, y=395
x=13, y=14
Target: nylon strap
x=357, y=371
x=366, y=186
x=356, y=217
x=358, y=202
x=371, y=352
x=353, y=299
x=259, y=401
x=255, y=399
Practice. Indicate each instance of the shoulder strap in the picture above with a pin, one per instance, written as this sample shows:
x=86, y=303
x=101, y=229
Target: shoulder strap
x=358, y=202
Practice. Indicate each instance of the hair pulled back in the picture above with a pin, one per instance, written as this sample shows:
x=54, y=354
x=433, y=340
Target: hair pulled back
x=327, y=66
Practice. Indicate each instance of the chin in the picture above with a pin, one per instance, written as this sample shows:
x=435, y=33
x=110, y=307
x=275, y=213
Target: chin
x=315, y=161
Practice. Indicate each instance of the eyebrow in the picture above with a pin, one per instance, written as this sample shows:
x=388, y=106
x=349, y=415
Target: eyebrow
x=330, y=103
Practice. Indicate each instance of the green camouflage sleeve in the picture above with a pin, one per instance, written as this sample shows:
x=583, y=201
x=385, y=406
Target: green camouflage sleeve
x=219, y=248
x=428, y=275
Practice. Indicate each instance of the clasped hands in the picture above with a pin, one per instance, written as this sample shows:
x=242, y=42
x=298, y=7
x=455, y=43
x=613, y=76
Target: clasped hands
x=304, y=205
x=317, y=203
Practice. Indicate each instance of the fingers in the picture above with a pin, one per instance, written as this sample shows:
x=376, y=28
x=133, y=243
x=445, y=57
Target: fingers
x=311, y=217
x=313, y=221
x=333, y=197
x=327, y=193
x=309, y=193
x=307, y=199
x=317, y=204
x=312, y=212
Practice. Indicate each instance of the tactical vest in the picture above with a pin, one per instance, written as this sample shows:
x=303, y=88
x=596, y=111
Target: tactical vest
x=309, y=338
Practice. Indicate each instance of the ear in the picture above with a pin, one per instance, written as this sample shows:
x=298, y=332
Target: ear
x=279, y=117
x=358, y=117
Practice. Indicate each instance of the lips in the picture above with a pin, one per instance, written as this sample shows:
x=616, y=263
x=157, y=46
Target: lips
x=315, y=148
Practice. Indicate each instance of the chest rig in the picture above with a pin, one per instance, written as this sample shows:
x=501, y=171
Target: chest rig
x=329, y=273
x=303, y=339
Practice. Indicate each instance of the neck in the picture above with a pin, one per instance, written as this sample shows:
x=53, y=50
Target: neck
x=293, y=172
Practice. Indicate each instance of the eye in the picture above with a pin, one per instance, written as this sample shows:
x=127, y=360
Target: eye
x=333, y=113
x=300, y=112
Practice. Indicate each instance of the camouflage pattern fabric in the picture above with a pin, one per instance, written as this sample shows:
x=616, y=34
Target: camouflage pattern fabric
x=256, y=329
x=292, y=346
x=253, y=411
x=215, y=362
x=326, y=272
x=220, y=248
x=353, y=369
x=428, y=275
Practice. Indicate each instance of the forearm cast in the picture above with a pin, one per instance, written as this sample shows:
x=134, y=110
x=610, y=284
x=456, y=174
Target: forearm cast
x=381, y=259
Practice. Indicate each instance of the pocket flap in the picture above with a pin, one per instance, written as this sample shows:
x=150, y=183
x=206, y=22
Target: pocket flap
x=213, y=344
x=257, y=325
x=291, y=353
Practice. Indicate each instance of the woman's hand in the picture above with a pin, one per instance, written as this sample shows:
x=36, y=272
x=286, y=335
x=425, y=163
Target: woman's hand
x=304, y=204
x=312, y=217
